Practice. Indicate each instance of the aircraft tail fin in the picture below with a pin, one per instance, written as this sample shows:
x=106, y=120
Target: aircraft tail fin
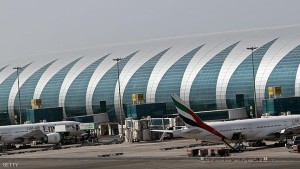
x=190, y=118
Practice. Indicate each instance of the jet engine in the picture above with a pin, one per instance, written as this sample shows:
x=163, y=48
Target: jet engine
x=52, y=138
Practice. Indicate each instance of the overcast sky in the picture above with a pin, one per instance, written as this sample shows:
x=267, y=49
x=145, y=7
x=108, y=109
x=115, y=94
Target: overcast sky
x=31, y=27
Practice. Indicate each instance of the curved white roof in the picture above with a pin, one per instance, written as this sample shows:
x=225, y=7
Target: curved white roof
x=286, y=39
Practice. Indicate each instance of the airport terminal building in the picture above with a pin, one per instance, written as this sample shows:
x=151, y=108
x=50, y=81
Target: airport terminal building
x=208, y=71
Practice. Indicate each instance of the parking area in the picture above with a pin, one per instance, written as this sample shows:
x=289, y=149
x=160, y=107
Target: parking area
x=168, y=154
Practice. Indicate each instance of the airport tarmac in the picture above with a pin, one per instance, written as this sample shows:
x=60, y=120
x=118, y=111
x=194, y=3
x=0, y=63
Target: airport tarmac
x=149, y=155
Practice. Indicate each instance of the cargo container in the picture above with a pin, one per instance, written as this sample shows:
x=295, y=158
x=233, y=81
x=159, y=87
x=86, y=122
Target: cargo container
x=296, y=148
x=63, y=128
x=220, y=152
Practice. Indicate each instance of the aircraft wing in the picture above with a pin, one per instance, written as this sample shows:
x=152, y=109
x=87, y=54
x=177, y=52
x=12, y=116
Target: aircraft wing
x=163, y=131
x=291, y=131
x=34, y=134
x=287, y=132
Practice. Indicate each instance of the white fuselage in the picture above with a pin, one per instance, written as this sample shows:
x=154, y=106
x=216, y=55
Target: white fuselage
x=11, y=133
x=254, y=129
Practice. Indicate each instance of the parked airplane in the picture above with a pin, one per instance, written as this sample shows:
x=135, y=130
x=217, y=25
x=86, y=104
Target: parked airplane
x=25, y=133
x=274, y=127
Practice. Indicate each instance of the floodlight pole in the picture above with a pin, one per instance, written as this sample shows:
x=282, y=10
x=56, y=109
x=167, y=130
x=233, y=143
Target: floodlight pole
x=19, y=68
x=120, y=101
x=253, y=74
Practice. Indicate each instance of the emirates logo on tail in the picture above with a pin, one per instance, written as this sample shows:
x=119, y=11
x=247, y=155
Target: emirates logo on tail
x=190, y=118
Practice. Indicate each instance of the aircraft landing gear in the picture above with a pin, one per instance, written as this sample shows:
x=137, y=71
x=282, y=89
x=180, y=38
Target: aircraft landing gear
x=238, y=139
x=2, y=149
x=239, y=147
x=280, y=144
x=24, y=146
x=9, y=146
x=256, y=143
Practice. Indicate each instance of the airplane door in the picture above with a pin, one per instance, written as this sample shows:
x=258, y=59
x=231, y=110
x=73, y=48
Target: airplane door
x=250, y=128
x=285, y=123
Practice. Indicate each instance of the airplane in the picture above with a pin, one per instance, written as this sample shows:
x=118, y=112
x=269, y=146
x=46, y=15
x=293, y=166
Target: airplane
x=272, y=128
x=45, y=132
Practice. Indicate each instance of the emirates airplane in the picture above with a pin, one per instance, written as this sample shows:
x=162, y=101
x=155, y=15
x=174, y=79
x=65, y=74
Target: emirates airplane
x=271, y=128
x=25, y=133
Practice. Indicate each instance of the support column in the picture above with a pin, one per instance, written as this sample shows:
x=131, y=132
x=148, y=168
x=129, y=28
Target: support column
x=109, y=129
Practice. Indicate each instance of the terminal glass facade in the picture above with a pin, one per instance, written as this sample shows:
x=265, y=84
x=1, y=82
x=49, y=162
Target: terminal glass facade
x=75, y=99
x=27, y=89
x=50, y=93
x=139, y=80
x=171, y=81
x=284, y=74
x=203, y=91
x=5, y=88
x=241, y=82
x=106, y=88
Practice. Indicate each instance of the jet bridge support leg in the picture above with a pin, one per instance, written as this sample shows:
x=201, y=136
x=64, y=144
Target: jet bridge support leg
x=237, y=148
x=228, y=144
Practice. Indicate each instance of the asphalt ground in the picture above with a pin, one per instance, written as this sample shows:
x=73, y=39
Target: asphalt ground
x=149, y=155
x=143, y=164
